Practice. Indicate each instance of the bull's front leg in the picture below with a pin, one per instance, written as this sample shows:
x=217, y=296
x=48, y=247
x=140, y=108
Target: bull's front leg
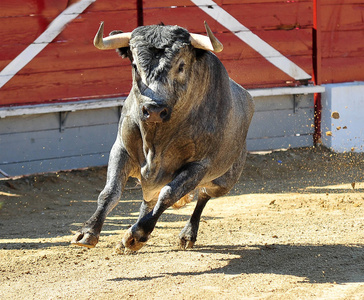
x=186, y=180
x=118, y=171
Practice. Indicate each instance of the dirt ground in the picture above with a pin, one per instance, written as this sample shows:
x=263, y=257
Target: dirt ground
x=292, y=228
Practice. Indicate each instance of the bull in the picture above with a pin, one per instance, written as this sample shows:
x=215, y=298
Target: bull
x=182, y=131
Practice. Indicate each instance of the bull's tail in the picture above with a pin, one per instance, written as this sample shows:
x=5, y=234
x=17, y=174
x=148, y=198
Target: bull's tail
x=183, y=201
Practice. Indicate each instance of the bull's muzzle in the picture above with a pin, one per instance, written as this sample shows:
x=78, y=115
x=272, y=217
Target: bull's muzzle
x=152, y=113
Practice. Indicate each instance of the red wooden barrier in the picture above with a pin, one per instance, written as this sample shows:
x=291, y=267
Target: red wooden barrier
x=284, y=25
x=70, y=68
x=342, y=40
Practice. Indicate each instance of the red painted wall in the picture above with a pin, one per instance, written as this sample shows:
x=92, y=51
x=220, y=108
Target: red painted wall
x=70, y=68
x=342, y=33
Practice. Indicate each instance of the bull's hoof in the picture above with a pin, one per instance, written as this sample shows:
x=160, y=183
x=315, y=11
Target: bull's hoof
x=83, y=239
x=185, y=243
x=188, y=236
x=131, y=242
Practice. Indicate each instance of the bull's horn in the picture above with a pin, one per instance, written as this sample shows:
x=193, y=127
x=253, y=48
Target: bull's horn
x=210, y=42
x=119, y=40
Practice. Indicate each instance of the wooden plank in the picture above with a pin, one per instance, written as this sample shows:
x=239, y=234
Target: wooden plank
x=346, y=43
x=260, y=1
x=77, y=35
x=66, y=85
x=68, y=106
x=269, y=53
x=43, y=148
x=52, y=8
x=340, y=2
x=23, y=124
x=53, y=30
x=283, y=102
x=303, y=93
x=258, y=16
x=74, y=56
x=247, y=36
x=182, y=3
x=84, y=27
x=147, y=4
x=254, y=73
x=67, y=55
x=87, y=26
x=113, y=6
x=283, y=91
x=280, y=123
x=50, y=144
x=46, y=8
x=276, y=126
x=22, y=30
x=116, y=80
x=70, y=55
x=289, y=43
x=50, y=121
x=56, y=164
x=342, y=69
x=275, y=16
x=342, y=41
x=275, y=143
x=347, y=16
x=225, y=2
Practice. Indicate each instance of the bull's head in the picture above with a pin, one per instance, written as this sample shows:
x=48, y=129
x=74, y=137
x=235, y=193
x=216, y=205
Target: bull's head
x=165, y=61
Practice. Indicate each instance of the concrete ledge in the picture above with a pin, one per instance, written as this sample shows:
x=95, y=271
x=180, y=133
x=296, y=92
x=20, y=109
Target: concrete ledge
x=342, y=117
x=59, y=107
x=287, y=91
x=112, y=102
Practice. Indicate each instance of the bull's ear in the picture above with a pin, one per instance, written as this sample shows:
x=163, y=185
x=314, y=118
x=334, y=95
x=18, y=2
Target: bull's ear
x=123, y=52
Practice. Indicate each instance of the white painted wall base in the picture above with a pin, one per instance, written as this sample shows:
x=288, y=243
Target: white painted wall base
x=345, y=133
x=48, y=138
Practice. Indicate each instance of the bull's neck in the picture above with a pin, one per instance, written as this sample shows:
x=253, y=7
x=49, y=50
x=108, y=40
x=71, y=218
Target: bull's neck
x=148, y=132
x=153, y=139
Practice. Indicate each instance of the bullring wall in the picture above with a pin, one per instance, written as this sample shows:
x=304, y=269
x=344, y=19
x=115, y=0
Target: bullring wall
x=64, y=140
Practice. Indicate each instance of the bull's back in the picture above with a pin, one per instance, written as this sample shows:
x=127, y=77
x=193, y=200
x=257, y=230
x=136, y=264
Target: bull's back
x=243, y=102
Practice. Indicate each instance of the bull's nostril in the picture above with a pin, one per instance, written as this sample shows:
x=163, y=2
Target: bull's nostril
x=164, y=114
x=155, y=113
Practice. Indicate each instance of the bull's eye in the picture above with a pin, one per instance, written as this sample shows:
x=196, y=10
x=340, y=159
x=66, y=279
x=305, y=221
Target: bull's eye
x=181, y=67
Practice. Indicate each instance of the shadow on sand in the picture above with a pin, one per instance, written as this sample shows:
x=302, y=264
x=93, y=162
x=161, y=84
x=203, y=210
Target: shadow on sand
x=315, y=263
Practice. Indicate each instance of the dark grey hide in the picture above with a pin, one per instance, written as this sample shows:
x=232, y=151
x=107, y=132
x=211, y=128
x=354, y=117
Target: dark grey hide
x=182, y=131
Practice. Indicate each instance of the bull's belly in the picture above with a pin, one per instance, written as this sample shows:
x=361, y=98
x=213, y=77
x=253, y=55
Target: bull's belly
x=158, y=170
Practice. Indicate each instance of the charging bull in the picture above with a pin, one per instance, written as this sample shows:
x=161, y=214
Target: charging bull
x=182, y=131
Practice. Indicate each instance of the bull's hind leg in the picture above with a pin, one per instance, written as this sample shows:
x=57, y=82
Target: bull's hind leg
x=117, y=175
x=188, y=234
x=216, y=188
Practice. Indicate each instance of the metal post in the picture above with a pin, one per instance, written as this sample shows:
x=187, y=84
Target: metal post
x=317, y=76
